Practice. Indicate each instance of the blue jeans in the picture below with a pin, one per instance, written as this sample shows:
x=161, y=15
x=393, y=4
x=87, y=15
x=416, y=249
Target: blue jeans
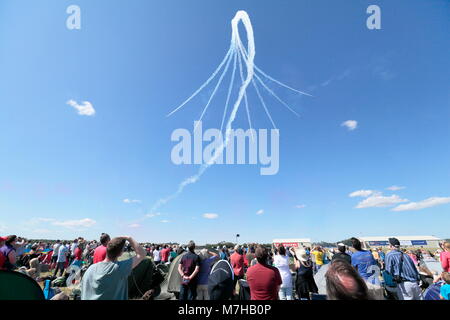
x=285, y=293
x=188, y=291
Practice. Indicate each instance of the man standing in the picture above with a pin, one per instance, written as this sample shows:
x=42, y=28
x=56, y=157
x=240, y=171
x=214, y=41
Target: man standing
x=72, y=250
x=108, y=279
x=55, y=254
x=318, y=254
x=342, y=255
x=264, y=280
x=401, y=267
x=63, y=251
x=188, y=268
x=100, y=251
x=237, y=262
x=165, y=253
x=362, y=259
x=157, y=255
x=382, y=257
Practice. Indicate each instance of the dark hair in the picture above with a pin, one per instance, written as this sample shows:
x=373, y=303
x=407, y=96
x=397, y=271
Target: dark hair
x=191, y=246
x=356, y=243
x=10, y=239
x=104, y=238
x=261, y=255
x=115, y=248
x=344, y=283
x=282, y=250
x=341, y=249
x=252, y=249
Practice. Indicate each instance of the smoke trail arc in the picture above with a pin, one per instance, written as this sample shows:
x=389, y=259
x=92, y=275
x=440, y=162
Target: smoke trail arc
x=238, y=53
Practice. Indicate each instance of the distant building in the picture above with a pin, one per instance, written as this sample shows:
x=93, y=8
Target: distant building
x=292, y=242
x=405, y=241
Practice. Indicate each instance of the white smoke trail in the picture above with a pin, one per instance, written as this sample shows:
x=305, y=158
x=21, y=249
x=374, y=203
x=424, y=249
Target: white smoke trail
x=230, y=88
x=238, y=53
x=249, y=60
x=204, y=84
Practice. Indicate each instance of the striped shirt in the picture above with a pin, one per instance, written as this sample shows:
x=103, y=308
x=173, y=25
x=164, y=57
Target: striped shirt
x=409, y=270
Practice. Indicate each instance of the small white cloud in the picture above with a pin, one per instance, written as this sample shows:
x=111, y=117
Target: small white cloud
x=42, y=231
x=300, y=206
x=45, y=219
x=210, y=215
x=361, y=193
x=72, y=224
x=427, y=203
x=260, y=212
x=131, y=201
x=134, y=225
x=379, y=200
x=151, y=215
x=165, y=221
x=85, y=109
x=350, y=124
x=395, y=188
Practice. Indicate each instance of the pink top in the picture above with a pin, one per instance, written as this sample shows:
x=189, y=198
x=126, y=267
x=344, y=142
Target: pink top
x=445, y=260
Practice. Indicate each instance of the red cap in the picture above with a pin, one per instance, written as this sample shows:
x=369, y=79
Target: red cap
x=3, y=238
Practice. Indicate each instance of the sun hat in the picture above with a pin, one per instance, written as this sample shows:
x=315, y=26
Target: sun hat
x=301, y=254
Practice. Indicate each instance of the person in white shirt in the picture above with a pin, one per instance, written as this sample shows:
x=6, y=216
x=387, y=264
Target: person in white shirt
x=281, y=262
x=72, y=250
x=156, y=255
x=61, y=260
x=55, y=254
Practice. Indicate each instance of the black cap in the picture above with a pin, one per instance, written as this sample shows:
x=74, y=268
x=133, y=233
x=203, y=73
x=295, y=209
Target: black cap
x=394, y=242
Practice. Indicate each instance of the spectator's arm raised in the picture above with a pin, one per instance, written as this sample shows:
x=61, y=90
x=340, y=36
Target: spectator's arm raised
x=140, y=252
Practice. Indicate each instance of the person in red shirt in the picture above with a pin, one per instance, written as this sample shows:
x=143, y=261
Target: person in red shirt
x=237, y=262
x=100, y=251
x=445, y=256
x=165, y=253
x=77, y=253
x=264, y=280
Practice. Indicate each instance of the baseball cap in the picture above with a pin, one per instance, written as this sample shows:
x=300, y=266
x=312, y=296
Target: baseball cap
x=3, y=238
x=394, y=242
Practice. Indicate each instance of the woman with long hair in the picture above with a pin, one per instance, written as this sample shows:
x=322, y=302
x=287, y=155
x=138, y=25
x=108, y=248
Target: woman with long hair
x=281, y=262
x=305, y=283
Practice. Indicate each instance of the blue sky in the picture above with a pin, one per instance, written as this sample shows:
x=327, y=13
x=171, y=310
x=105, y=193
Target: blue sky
x=64, y=174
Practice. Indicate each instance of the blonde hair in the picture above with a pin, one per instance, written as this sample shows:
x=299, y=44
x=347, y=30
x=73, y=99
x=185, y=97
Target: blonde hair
x=446, y=277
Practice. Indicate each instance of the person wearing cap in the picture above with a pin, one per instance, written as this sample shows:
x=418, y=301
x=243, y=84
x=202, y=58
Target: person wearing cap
x=402, y=268
x=342, y=255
